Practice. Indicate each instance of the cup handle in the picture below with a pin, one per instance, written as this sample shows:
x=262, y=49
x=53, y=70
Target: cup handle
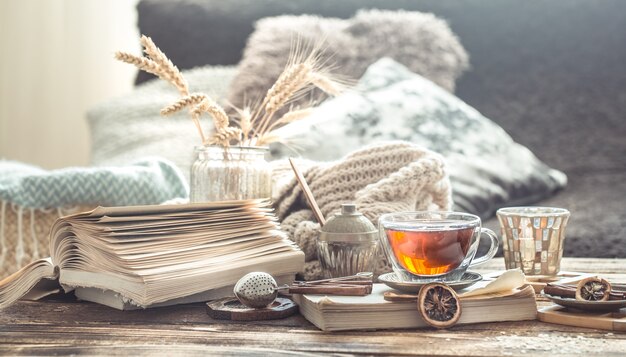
x=492, y=250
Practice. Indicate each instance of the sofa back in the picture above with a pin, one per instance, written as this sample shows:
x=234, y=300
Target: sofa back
x=551, y=73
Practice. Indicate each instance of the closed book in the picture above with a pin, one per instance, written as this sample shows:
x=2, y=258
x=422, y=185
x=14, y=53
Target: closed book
x=373, y=312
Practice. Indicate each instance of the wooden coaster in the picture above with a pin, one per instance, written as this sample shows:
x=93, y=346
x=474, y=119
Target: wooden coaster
x=612, y=321
x=231, y=309
x=538, y=282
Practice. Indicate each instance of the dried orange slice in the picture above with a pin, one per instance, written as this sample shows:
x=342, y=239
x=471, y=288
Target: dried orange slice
x=439, y=305
x=593, y=289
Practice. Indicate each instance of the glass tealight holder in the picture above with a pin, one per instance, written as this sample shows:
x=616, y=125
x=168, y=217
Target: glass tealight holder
x=230, y=173
x=533, y=238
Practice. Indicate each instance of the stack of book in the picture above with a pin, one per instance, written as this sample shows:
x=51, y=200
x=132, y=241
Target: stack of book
x=146, y=256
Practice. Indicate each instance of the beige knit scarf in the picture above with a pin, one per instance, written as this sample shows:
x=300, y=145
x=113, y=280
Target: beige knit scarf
x=387, y=177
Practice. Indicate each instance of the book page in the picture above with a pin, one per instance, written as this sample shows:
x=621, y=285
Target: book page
x=18, y=284
x=502, y=286
x=159, y=209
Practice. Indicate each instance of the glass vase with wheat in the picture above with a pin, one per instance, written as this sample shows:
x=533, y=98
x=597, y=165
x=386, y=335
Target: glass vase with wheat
x=230, y=162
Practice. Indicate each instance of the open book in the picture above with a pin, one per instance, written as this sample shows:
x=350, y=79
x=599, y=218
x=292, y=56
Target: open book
x=373, y=312
x=147, y=256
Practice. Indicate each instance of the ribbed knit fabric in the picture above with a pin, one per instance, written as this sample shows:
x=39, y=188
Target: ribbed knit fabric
x=383, y=178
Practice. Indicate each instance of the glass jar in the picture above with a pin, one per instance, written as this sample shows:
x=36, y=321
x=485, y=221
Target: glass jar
x=231, y=173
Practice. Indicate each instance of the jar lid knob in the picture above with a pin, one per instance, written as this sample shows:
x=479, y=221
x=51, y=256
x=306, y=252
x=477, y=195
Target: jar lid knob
x=348, y=209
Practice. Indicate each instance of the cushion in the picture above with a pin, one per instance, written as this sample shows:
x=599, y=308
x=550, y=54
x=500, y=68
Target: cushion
x=202, y=24
x=130, y=127
x=422, y=42
x=487, y=168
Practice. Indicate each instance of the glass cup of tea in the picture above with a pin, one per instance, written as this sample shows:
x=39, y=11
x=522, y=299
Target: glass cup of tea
x=433, y=246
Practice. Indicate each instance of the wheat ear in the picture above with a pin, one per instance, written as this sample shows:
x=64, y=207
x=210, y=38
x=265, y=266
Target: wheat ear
x=144, y=64
x=224, y=136
x=292, y=80
x=325, y=83
x=190, y=100
x=288, y=83
x=220, y=118
x=290, y=117
x=246, y=122
x=170, y=71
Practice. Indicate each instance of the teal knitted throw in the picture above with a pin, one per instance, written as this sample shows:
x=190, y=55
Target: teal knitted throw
x=150, y=181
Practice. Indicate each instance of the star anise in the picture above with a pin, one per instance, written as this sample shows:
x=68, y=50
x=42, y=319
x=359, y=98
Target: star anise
x=593, y=289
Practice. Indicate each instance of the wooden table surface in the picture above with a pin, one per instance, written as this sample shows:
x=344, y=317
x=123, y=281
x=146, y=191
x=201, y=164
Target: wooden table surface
x=57, y=327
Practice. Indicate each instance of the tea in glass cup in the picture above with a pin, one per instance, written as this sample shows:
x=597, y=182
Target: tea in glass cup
x=428, y=246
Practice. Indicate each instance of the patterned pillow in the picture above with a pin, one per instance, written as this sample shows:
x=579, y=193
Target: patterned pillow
x=487, y=168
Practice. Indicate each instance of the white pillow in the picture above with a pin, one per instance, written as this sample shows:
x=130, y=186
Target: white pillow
x=487, y=168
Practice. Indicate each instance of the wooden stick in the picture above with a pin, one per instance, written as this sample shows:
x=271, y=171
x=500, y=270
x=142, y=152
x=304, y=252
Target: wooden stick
x=307, y=193
x=393, y=296
x=346, y=282
x=363, y=276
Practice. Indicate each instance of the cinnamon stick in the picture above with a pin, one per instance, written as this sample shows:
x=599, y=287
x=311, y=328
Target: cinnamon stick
x=565, y=291
x=569, y=291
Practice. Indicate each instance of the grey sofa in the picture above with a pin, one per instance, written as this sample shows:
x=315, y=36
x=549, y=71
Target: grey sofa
x=551, y=73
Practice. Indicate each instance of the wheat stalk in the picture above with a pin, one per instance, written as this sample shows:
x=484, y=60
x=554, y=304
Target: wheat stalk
x=293, y=79
x=290, y=117
x=326, y=84
x=170, y=71
x=187, y=101
x=220, y=118
x=245, y=122
x=144, y=64
x=157, y=63
x=224, y=136
x=303, y=70
x=288, y=83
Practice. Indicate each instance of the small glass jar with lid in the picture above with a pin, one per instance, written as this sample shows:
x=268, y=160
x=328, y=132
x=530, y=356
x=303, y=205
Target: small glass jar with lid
x=230, y=173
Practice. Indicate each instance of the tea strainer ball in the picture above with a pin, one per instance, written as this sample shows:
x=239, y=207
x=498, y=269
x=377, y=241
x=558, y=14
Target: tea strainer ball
x=256, y=289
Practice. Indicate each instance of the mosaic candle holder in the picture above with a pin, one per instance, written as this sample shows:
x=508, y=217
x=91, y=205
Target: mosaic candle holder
x=533, y=238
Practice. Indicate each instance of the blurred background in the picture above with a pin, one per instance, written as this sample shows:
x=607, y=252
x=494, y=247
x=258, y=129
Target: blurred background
x=552, y=74
x=56, y=62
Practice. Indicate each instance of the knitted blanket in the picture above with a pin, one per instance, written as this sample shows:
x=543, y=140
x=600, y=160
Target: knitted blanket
x=383, y=178
x=151, y=181
x=31, y=199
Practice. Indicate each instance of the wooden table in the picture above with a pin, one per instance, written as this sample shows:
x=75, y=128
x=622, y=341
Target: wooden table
x=68, y=327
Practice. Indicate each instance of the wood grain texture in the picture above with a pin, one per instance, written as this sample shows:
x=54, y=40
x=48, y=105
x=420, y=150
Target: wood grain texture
x=63, y=326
